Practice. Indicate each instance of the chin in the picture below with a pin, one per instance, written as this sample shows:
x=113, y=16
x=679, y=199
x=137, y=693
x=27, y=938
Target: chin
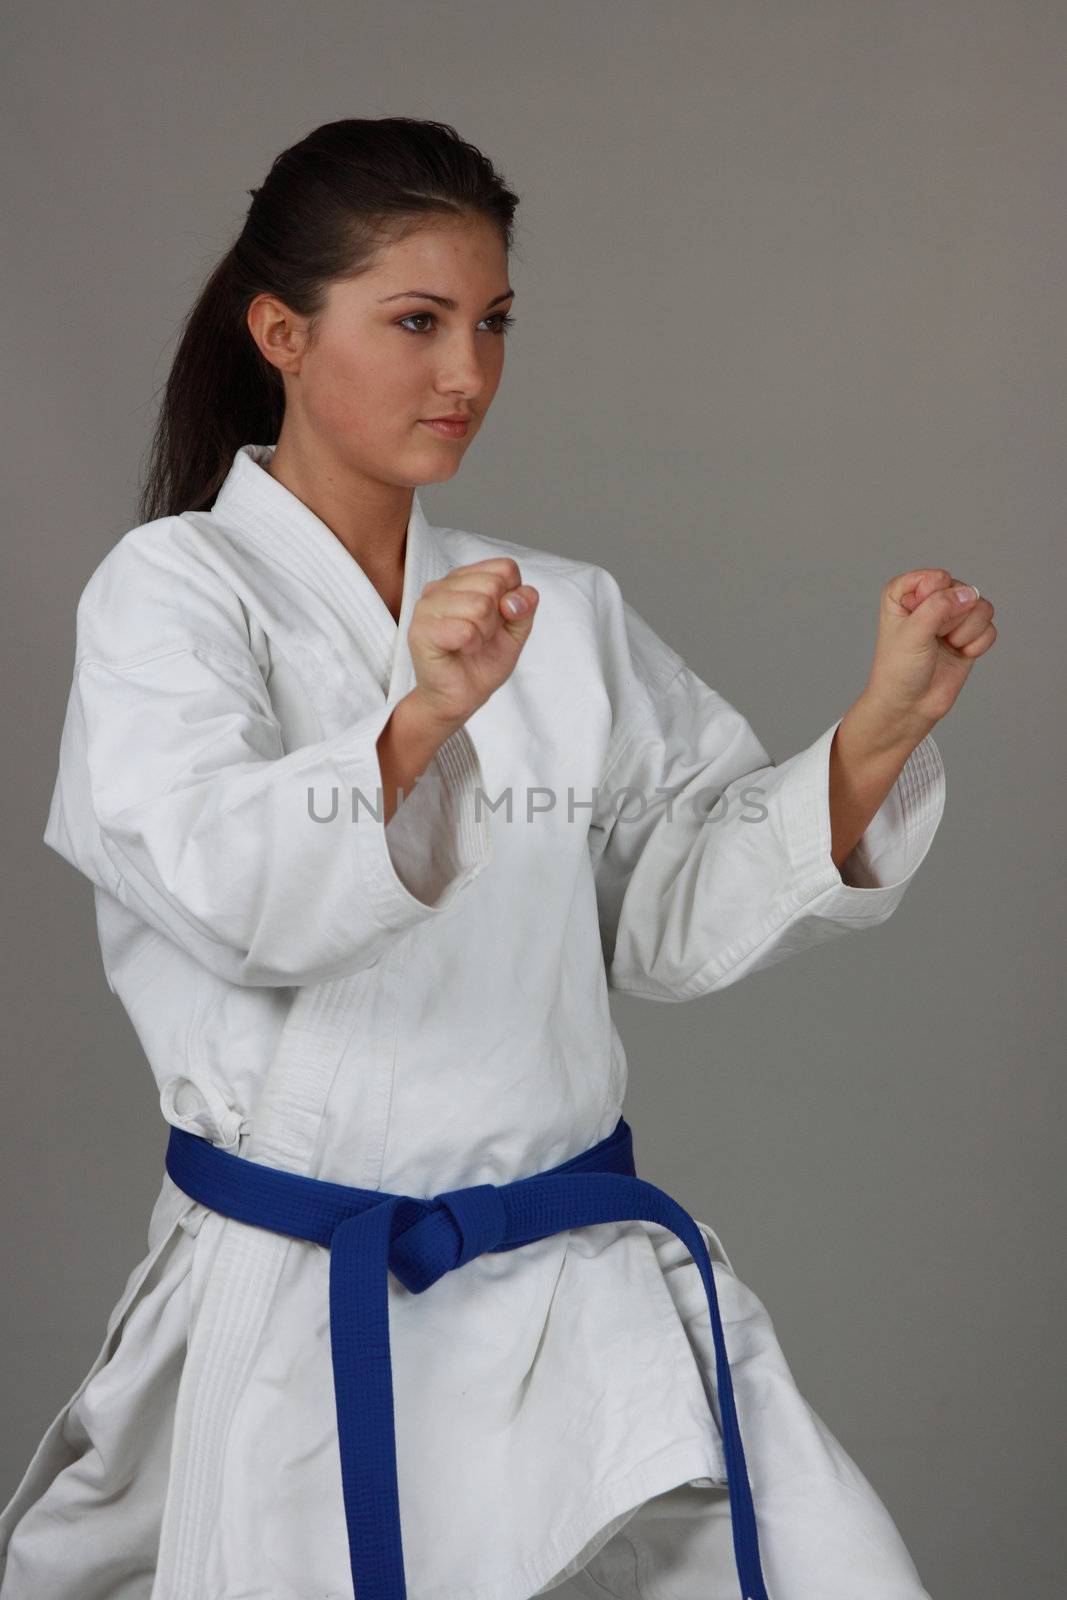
x=422, y=480
x=443, y=470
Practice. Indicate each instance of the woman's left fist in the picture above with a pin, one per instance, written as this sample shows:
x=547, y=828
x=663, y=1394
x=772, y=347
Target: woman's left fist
x=931, y=631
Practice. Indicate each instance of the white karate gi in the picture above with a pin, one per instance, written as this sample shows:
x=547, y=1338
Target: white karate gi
x=417, y=1008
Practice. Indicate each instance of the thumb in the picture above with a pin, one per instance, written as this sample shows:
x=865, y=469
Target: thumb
x=926, y=604
x=518, y=623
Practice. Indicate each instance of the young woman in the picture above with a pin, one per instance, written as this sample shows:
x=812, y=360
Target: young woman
x=347, y=787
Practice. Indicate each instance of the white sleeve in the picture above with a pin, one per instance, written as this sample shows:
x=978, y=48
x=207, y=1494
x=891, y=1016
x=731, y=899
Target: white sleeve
x=175, y=794
x=711, y=860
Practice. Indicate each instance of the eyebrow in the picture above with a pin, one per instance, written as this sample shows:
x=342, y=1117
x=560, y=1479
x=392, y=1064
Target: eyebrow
x=440, y=299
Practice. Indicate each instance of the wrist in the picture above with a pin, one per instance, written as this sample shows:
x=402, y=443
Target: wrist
x=880, y=733
x=422, y=724
x=406, y=746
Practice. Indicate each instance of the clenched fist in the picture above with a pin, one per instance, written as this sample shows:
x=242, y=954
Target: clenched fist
x=464, y=640
x=465, y=637
x=932, y=629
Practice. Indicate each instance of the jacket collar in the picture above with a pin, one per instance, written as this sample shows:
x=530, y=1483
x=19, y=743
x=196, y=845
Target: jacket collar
x=270, y=516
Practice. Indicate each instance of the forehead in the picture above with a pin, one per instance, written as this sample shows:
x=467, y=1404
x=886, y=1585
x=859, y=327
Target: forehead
x=461, y=259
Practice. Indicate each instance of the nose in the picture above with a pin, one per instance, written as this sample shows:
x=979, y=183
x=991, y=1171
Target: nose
x=463, y=369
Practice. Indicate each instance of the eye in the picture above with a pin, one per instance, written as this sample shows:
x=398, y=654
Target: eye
x=503, y=319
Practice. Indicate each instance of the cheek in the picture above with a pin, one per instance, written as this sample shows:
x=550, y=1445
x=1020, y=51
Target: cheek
x=494, y=373
x=371, y=392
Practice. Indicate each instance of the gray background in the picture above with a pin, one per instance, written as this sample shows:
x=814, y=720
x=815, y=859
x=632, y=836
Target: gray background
x=789, y=321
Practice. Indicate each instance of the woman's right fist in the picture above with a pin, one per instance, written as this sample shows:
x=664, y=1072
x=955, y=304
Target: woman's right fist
x=464, y=637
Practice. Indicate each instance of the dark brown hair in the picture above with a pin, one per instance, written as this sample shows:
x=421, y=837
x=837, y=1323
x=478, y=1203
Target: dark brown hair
x=324, y=211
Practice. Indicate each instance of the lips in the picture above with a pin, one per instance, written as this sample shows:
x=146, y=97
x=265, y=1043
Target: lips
x=447, y=427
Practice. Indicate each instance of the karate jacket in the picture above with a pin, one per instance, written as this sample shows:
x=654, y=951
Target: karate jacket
x=414, y=1007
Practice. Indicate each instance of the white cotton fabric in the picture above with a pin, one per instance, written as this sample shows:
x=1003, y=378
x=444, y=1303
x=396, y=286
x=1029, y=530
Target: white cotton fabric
x=416, y=1008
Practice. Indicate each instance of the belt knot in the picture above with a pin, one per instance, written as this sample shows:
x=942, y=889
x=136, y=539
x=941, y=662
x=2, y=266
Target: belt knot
x=456, y=1226
x=479, y=1217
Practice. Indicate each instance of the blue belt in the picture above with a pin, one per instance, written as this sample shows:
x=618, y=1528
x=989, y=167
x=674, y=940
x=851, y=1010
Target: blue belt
x=370, y=1233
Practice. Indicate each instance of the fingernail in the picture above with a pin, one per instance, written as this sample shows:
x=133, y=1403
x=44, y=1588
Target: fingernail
x=965, y=596
x=515, y=603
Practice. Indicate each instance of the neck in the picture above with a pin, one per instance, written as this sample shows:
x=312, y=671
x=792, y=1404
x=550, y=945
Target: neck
x=368, y=517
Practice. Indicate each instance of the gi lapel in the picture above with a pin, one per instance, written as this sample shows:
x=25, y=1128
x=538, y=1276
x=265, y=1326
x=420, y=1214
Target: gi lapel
x=281, y=527
x=315, y=600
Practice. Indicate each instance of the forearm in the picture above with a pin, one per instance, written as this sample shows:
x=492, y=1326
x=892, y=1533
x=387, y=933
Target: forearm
x=866, y=758
x=406, y=746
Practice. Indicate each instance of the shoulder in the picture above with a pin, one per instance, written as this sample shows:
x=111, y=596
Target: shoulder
x=627, y=640
x=463, y=547
x=158, y=589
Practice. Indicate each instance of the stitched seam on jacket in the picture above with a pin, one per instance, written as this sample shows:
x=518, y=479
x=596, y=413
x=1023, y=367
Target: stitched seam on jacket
x=638, y=725
x=197, y=647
